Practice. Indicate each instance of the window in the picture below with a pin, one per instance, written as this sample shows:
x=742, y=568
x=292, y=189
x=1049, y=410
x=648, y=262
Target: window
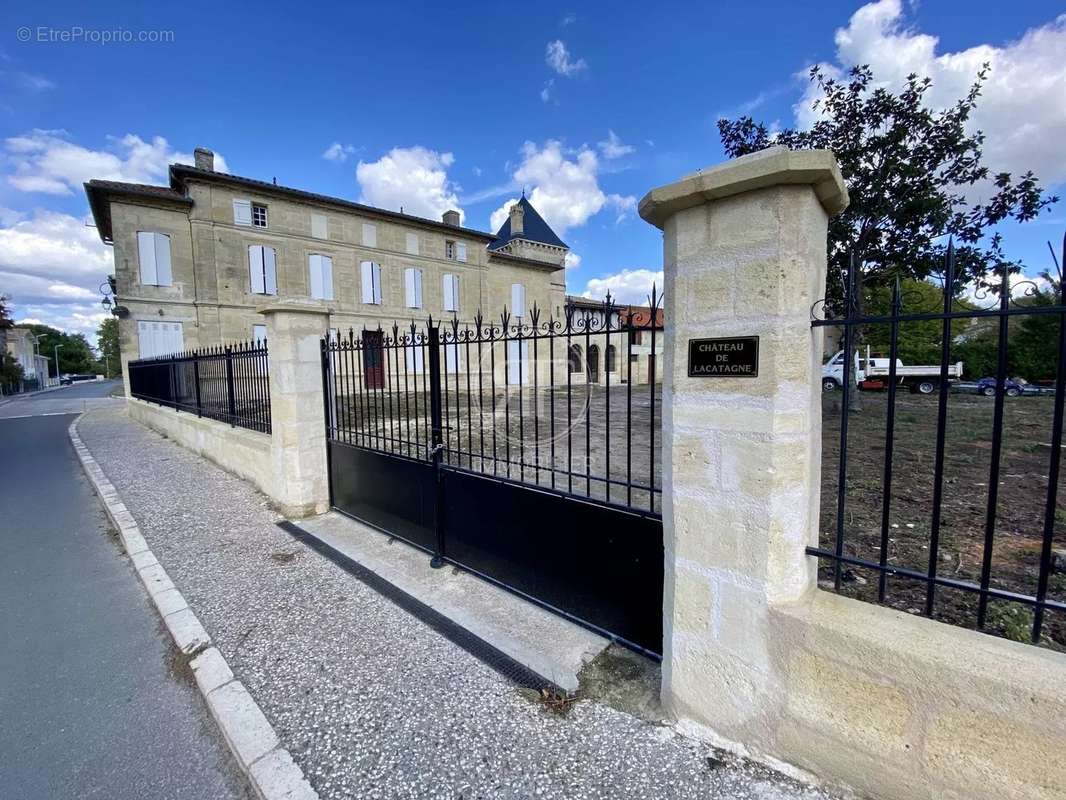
x=451, y=357
x=517, y=362
x=262, y=269
x=153, y=252
x=451, y=292
x=331, y=334
x=371, y=282
x=370, y=234
x=455, y=251
x=156, y=338
x=412, y=244
x=412, y=287
x=321, y=269
x=518, y=299
x=259, y=215
x=319, y=226
x=242, y=212
x=259, y=333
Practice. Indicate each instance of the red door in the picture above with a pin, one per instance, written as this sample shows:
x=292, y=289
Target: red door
x=373, y=360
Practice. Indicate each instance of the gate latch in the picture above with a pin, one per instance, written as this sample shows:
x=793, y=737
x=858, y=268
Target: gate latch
x=434, y=449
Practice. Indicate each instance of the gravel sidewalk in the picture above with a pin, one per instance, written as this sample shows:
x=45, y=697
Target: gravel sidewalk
x=369, y=701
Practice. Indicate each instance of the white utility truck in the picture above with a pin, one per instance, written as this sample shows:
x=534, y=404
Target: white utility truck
x=872, y=372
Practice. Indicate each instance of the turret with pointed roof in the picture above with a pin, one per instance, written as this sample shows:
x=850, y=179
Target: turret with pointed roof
x=525, y=234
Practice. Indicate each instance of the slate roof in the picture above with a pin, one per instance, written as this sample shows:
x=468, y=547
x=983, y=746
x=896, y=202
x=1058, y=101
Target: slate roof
x=98, y=191
x=535, y=229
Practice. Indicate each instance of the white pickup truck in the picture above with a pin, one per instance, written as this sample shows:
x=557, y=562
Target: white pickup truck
x=872, y=372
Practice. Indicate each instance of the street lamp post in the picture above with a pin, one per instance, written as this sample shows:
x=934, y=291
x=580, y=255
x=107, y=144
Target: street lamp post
x=57, y=363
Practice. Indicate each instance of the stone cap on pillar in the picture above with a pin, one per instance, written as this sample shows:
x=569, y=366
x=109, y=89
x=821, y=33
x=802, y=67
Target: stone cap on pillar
x=775, y=166
x=295, y=305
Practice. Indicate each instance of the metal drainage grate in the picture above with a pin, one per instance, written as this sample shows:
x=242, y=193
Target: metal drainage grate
x=456, y=634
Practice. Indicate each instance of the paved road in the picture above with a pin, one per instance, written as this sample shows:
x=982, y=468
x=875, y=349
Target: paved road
x=64, y=400
x=93, y=702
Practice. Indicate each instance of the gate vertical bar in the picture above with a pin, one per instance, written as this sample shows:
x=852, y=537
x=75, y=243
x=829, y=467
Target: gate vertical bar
x=327, y=408
x=437, y=448
x=232, y=400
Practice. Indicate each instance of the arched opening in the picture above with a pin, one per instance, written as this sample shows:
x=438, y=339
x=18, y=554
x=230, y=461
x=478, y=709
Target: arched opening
x=592, y=364
x=575, y=359
x=612, y=358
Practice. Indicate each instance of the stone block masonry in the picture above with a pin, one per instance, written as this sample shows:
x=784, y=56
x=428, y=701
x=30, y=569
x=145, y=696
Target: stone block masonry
x=755, y=655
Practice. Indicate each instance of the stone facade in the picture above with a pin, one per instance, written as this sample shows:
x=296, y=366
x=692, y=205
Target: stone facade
x=211, y=293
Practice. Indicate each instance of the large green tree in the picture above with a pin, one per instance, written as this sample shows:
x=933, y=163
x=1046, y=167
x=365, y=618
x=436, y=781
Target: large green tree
x=107, y=337
x=912, y=174
x=75, y=353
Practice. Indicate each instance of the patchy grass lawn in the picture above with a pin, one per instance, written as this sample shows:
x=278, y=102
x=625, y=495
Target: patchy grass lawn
x=1023, y=483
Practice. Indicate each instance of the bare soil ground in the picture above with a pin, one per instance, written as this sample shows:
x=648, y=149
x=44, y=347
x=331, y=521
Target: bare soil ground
x=1019, y=515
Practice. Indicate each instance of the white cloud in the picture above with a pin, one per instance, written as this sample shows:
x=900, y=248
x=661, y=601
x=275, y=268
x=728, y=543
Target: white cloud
x=568, y=20
x=625, y=205
x=415, y=178
x=46, y=161
x=613, y=147
x=558, y=58
x=339, y=152
x=565, y=188
x=632, y=286
x=546, y=92
x=51, y=265
x=1022, y=108
x=52, y=245
x=573, y=260
x=27, y=81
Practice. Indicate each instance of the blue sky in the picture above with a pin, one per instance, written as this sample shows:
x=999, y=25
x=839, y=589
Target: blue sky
x=587, y=106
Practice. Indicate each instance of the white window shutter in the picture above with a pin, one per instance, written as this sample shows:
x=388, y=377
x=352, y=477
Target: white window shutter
x=409, y=288
x=163, y=275
x=366, y=269
x=314, y=268
x=259, y=333
x=319, y=226
x=451, y=292
x=270, y=270
x=418, y=288
x=518, y=299
x=412, y=244
x=242, y=212
x=377, y=283
x=460, y=251
x=370, y=235
x=255, y=269
x=327, y=277
x=146, y=256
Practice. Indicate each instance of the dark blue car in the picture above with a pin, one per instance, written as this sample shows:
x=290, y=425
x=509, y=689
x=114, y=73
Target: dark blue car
x=987, y=387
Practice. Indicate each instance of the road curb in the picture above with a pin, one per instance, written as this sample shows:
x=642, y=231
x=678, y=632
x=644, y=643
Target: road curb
x=249, y=735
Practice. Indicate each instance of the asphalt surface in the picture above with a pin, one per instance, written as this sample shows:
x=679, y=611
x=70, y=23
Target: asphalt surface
x=95, y=700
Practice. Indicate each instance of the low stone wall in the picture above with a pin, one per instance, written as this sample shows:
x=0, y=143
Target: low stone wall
x=245, y=453
x=900, y=706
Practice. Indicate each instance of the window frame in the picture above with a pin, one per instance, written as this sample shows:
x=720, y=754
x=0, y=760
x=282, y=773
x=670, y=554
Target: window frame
x=258, y=209
x=320, y=261
x=375, y=283
x=413, y=280
x=268, y=282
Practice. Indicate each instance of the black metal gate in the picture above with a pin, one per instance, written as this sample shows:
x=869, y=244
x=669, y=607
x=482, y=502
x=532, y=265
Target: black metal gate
x=496, y=447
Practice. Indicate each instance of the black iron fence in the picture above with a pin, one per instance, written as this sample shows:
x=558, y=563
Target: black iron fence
x=571, y=404
x=947, y=505
x=229, y=384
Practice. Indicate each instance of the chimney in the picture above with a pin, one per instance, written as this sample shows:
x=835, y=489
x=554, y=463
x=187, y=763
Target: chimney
x=451, y=218
x=204, y=159
x=517, y=213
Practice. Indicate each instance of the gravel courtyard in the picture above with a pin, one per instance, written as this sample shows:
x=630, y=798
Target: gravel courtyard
x=369, y=701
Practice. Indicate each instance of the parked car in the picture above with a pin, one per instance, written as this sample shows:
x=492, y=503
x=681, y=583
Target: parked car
x=987, y=387
x=872, y=372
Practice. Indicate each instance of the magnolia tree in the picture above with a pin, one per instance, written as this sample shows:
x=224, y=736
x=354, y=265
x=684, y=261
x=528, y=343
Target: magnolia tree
x=915, y=177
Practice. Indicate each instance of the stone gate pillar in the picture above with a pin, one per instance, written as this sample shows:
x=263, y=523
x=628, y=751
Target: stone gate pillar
x=744, y=255
x=298, y=428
